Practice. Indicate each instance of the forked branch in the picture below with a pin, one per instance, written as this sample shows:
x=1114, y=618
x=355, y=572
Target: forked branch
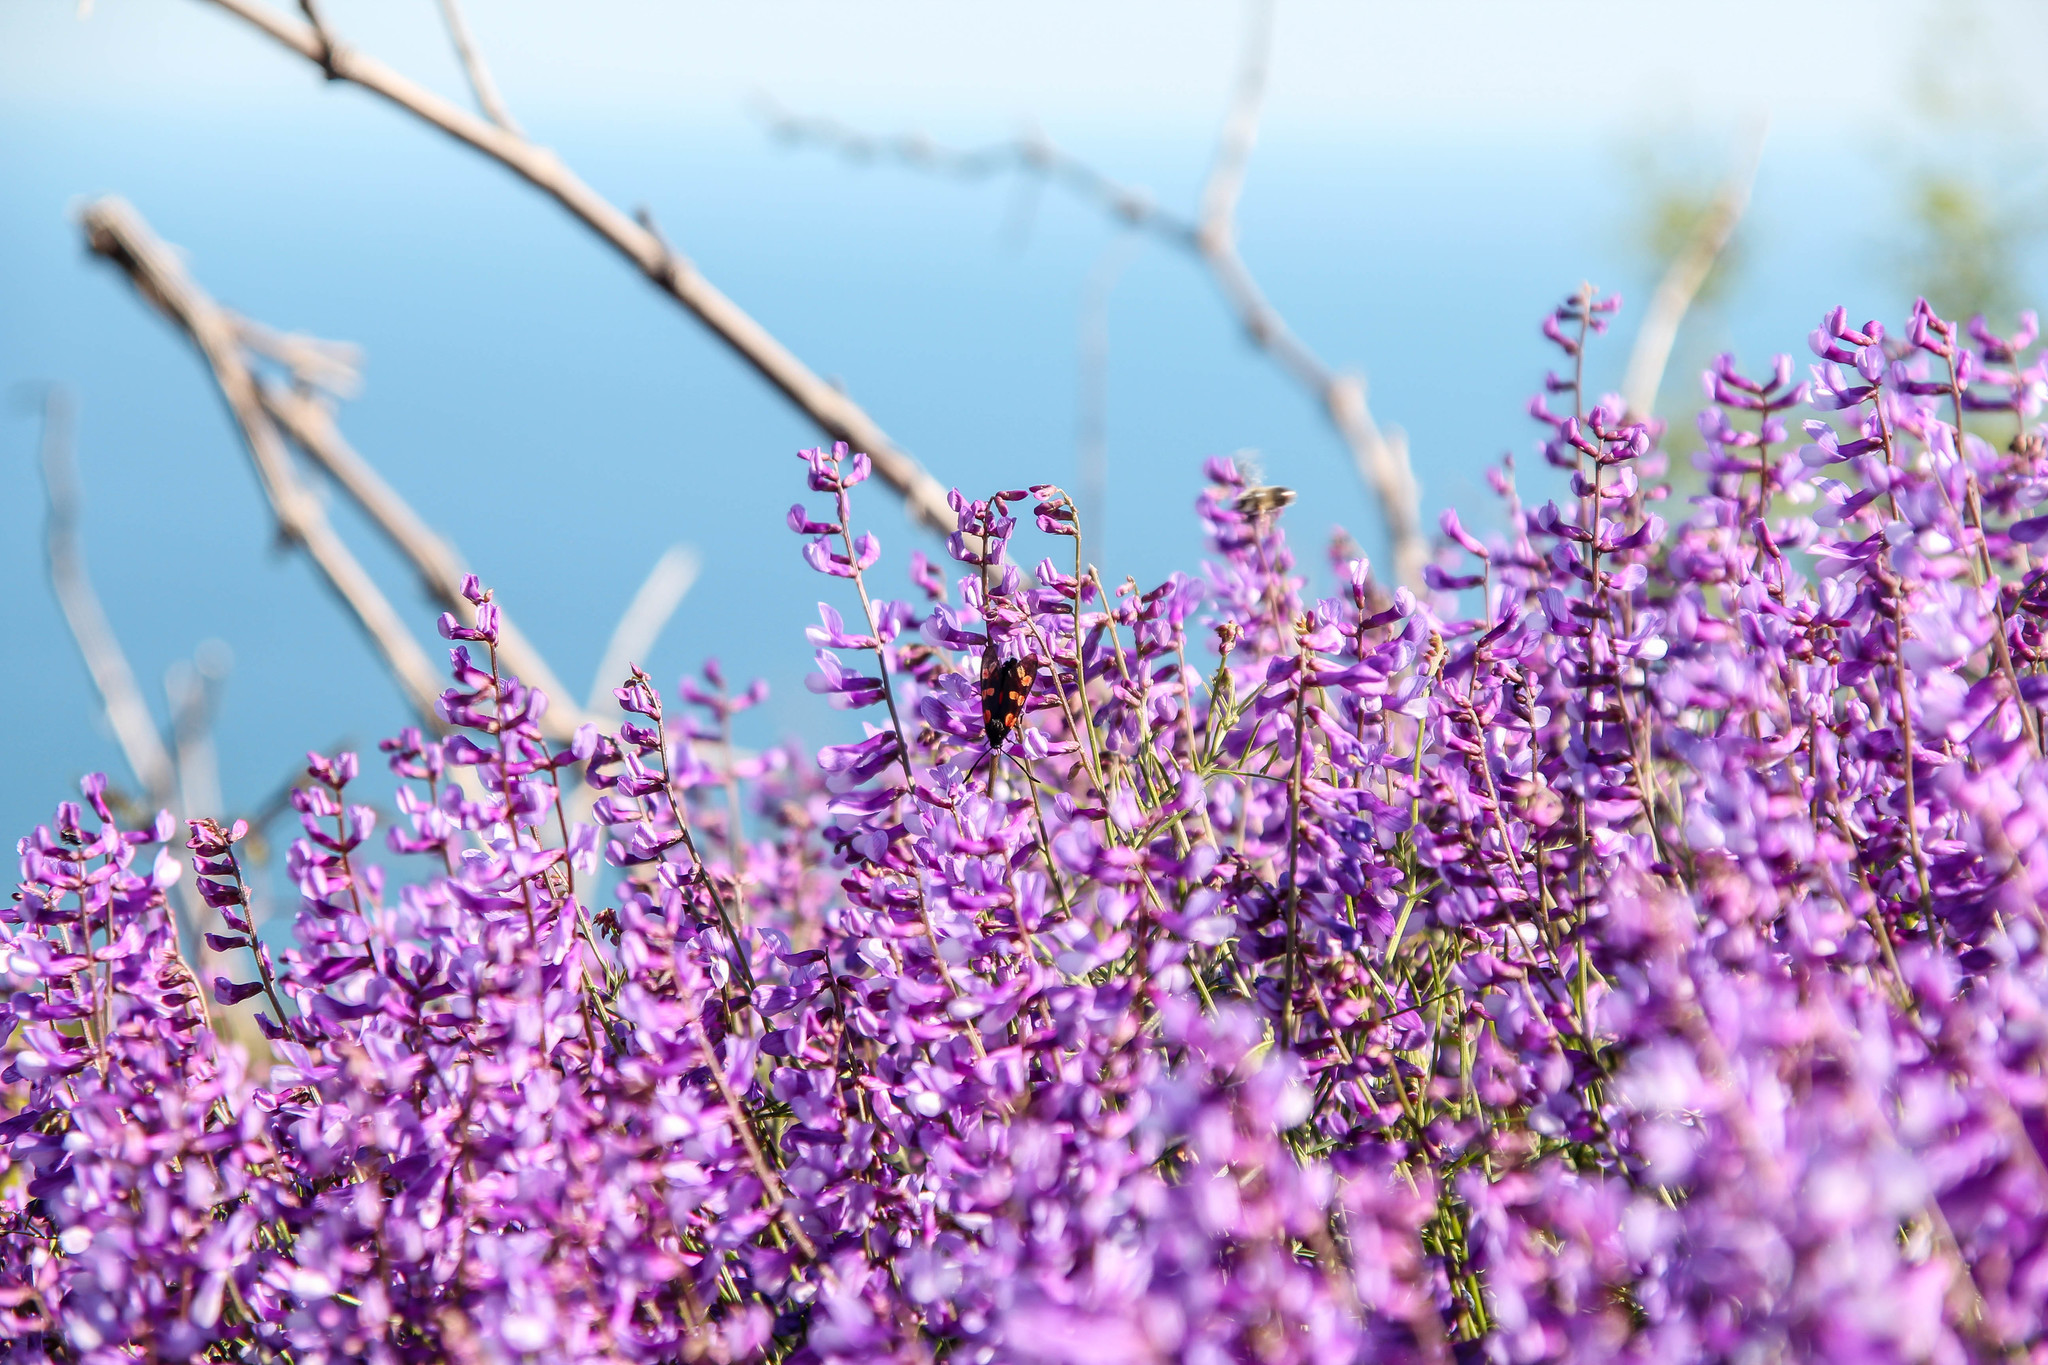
x=117, y=232
x=836, y=414
x=297, y=413
x=1380, y=457
x=312, y=429
x=480, y=83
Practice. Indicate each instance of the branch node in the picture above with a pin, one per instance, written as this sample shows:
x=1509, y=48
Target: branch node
x=480, y=83
x=323, y=37
x=665, y=265
x=840, y=419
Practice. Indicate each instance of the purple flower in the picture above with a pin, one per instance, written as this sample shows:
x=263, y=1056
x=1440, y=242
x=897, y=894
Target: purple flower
x=1643, y=962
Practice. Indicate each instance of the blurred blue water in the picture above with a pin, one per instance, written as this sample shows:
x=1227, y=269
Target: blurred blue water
x=564, y=424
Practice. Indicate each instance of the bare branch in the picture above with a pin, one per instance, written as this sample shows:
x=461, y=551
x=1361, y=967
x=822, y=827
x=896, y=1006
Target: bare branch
x=1682, y=280
x=312, y=429
x=480, y=83
x=1092, y=428
x=666, y=584
x=1380, y=457
x=331, y=366
x=1218, y=224
x=167, y=782
x=322, y=39
x=1381, y=461
x=192, y=686
x=134, y=727
x=115, y=231
x=837, y=415
x=1031, y=153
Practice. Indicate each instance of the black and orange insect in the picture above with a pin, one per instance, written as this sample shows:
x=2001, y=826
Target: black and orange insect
x=1005, y=686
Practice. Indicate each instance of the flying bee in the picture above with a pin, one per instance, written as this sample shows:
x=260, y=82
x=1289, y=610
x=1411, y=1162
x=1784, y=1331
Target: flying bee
x=1263, y=500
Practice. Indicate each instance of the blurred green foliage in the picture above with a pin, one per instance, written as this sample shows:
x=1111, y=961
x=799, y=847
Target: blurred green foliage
x=1970, y=181
x=1679, y=173
x=1966, y=246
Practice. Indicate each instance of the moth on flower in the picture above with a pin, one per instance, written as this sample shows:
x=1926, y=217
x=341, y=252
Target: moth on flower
x=1005, y=685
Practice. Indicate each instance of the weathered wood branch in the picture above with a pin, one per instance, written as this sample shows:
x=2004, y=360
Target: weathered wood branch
x=312, y=429
x=114, y=230
x=1380, y=457
x=837, y=415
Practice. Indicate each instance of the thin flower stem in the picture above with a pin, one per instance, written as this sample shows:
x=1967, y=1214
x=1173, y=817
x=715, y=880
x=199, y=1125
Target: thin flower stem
x=1081, y=659
x=504, y=785
x=1301, y=745
x=1980, y=561
x=1052, y=875
x=263, y=971
x=678, y=802
x=1897, y=606
x=867, y=611
x=771, y=1183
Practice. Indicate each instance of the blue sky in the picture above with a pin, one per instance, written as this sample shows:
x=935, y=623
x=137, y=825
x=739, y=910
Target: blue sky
x=1428, y=180
x=1471, y=66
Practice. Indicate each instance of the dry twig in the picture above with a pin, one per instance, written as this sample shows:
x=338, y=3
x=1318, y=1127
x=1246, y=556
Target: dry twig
x=298, y=413
x=134, y=727
x=837, y=415
x=177, y=781
x=114, y=230
x=312, y=429
x=480, y=83
x=333, y=367
x=192, y=686
x=1092, y=426
x=1682, y=280
x=1381, y=457
x=660, y=594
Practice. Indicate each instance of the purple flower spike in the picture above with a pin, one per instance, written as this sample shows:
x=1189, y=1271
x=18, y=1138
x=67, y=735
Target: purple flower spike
x=1645, y=962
